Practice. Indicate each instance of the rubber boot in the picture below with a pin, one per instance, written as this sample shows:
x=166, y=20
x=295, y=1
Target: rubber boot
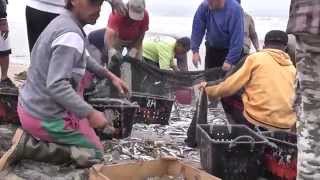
x=24, y=146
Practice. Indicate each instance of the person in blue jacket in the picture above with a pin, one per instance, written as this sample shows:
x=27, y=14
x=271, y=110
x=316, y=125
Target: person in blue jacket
x=222, y=23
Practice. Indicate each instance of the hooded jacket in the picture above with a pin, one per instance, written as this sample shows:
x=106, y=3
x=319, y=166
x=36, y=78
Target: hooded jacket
x=268, y=78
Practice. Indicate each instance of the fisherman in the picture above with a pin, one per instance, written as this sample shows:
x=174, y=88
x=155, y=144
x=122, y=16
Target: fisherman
x=222, y=22
x=304, y=23
x=161, y=52
x=268, y=80
x=5, y=49
x=39, y=13
x=57, y=123
x=250, y=34
x=127, y=31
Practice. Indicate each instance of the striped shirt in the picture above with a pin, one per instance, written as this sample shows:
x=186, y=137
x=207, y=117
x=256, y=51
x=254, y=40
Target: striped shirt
x=304, y=17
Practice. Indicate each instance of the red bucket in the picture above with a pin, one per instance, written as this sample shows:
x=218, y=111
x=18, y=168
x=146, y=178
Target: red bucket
x=184, y=96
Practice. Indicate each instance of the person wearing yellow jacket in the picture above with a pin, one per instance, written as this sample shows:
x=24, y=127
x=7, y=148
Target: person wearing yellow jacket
x=268, y=79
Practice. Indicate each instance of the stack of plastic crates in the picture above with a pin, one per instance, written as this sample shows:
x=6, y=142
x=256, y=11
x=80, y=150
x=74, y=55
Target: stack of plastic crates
x=231, y=152
x=280, y=161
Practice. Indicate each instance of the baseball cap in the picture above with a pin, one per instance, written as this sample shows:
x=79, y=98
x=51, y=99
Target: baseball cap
x=277, y=36
x=136, y=9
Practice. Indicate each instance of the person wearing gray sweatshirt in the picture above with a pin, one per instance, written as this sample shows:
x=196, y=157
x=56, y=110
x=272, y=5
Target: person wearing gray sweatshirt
x=52, y=111
x=39, y=13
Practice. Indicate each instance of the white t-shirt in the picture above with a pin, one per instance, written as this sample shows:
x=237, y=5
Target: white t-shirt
x=51, y=6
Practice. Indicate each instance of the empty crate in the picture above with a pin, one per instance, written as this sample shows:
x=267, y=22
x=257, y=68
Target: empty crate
x=231, y=152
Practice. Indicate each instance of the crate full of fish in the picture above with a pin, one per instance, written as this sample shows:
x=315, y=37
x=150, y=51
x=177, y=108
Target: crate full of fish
x=281, y=160
x=120, y=111
x=153, y=109
x=163, y=169
x=231, y=152
x=8, y=106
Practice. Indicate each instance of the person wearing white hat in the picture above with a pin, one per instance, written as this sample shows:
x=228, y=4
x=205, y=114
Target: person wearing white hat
x=127, y=31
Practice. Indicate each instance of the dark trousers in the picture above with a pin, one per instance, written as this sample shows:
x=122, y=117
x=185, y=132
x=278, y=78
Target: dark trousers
x=215, y=57
x=37, y=21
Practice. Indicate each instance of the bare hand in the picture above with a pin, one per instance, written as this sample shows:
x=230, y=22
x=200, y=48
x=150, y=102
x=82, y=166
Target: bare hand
x=97, y=119
x=119, y=7
x=201, y=85
x=120, y=85
x=4, y=28
x=196, y=59
x=226, y=66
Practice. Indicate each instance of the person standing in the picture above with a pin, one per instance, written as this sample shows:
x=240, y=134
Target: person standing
x=5, y=49
x=304, y=23
x=250, y=34
x=222, y=22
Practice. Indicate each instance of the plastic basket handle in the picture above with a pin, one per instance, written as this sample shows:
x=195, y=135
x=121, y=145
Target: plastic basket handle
x=245, y=137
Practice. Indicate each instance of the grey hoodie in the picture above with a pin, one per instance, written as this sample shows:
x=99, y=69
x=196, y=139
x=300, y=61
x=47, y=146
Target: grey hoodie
x=59, y=60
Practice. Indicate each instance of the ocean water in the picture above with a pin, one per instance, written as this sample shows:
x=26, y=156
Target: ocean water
x=162, y=20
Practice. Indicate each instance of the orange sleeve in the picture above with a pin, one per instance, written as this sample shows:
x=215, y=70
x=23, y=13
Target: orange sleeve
x=233, y=83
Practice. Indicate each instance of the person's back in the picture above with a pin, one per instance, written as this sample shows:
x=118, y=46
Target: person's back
x=160, y=51
x=269, y=94
x=268, y=79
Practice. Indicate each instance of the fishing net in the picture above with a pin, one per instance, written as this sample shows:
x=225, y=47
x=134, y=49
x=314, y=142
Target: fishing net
x=150, y=80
